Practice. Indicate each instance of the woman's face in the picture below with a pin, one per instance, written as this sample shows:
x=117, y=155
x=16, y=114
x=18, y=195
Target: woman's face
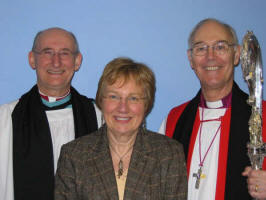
x=123, y=107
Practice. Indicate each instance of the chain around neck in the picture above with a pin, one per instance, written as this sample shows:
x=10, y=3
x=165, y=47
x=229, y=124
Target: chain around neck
x=120, y=163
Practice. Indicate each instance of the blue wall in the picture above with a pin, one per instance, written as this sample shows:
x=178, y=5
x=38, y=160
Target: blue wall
x=151, y=31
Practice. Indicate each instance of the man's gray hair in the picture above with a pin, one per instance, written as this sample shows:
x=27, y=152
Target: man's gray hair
x=196, y=28
x=36, y=38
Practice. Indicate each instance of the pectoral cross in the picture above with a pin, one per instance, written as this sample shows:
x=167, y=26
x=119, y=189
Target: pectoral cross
x=198, y=176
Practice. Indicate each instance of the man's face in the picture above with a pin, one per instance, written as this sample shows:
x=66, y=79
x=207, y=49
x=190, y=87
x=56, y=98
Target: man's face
x=214, y=71
x=55, y=62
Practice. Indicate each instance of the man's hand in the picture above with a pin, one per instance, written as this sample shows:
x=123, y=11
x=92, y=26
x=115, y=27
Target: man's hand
x=256, y=182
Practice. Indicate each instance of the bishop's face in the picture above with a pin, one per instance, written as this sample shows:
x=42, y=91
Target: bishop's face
x=214, y=71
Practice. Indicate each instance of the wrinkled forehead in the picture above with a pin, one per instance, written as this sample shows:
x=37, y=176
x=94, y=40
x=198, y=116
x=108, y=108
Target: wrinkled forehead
x=211, y=32
x=55, y=38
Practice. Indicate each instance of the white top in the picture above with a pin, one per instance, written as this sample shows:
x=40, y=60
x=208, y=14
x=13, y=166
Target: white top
x=207, y=188
x=6, y=152
x=61, y=125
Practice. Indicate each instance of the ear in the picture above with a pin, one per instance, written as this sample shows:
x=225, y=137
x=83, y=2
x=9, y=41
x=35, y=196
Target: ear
x=78, y=61
x=31, y=58
x=189, y=55
x=237, y=54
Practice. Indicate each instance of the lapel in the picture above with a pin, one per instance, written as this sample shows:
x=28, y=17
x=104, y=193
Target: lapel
x=140, y=165
x=104, y=166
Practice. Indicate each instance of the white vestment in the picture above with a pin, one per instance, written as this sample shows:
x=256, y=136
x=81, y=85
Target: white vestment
x=61, y=126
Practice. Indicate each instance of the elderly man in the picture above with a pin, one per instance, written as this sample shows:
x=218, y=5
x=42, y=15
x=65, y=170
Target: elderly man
x=213, y=126
x=33, y=129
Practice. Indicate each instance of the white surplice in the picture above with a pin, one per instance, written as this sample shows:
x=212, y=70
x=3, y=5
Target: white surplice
x=61, y=126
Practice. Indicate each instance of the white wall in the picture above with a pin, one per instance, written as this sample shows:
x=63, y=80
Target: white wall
x=151, y=31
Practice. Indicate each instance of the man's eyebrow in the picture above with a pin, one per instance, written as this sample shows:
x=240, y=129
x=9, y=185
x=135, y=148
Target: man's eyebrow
x=48, y=48
x=45, y=49
x=65, y=49
x=201, y=42
x=222, y=41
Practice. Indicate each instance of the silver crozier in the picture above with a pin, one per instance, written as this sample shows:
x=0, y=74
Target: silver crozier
x=251, y=63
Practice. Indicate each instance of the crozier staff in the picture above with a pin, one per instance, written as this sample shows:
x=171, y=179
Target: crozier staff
x=252, y=72
x=123, y=160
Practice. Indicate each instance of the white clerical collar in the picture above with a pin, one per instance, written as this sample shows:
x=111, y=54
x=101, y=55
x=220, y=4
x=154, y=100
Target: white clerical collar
x=223, y=103
x=214, y=104
x=53, y=99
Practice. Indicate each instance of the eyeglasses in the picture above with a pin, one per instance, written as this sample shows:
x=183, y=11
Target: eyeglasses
x=50, y=53
x=220, y=48
x=133, y=99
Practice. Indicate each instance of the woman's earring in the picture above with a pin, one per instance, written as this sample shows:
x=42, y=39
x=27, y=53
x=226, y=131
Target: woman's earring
x=144, y=124
x=102, y=120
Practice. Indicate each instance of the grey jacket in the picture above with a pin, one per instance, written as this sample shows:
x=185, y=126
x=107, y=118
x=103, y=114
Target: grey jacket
x=157, y=169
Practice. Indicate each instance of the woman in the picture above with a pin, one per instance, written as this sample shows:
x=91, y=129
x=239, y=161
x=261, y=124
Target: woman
x=122, y=160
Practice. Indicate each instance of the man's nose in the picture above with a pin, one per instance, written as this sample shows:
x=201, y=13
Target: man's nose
x=210, y=52
x=56, y=59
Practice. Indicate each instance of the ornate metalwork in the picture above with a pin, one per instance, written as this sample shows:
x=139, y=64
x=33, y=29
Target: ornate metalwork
x=251, y=63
